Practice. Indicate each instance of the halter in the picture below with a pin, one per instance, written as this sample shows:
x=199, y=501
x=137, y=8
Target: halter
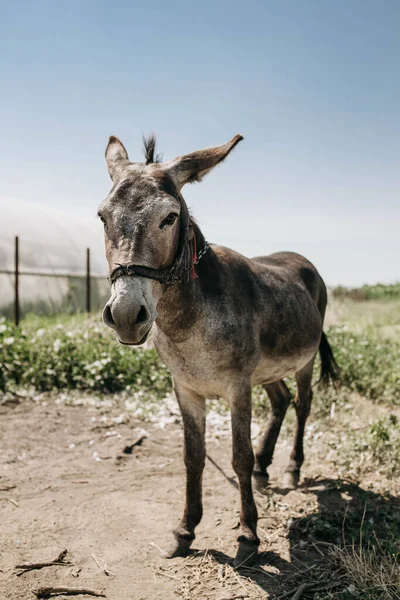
x=181, y=269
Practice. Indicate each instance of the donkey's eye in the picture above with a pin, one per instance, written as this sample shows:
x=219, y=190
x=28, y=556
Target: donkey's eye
x=102, y=219
x=170, y=220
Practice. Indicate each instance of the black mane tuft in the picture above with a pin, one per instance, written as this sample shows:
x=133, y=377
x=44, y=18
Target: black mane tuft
x=150, y=149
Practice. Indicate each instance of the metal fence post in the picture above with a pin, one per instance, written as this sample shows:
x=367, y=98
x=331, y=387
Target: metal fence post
x=16, y=283
x=88, y=304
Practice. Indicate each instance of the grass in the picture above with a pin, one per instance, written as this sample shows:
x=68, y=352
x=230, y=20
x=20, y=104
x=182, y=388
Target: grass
x=376, y=449
x=372, y=573
x=79, y=353
x=379, y=291
x=382, y=317
x=75, y=353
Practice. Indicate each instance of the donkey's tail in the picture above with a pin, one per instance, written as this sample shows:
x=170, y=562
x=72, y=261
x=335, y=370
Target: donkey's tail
x=330, y=370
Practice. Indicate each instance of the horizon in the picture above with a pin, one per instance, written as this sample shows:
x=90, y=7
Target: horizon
x=312, y=88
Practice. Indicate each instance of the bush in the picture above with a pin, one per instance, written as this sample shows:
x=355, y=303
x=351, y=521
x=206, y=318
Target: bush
x=83, y=356
x=79, y=353
x=369, y=363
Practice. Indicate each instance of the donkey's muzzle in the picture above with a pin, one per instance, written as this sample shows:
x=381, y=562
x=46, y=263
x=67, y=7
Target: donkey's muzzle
x=131, y=328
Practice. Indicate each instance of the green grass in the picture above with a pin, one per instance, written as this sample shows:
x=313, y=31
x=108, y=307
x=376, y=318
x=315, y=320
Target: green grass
x=370, y=363
x=75, y=353
x=376, y=449
x=379, y=291
x=80, y=353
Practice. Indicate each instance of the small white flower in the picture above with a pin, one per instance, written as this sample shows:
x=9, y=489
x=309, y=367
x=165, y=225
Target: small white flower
x=8, y=341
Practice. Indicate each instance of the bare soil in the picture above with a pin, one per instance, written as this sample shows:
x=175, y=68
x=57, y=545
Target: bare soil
x=66, y=483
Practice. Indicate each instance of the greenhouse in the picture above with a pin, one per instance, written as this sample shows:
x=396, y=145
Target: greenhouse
x=52, y=260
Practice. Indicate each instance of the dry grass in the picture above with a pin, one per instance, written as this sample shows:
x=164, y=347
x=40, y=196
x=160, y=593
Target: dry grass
x=374, y=573
x=210, y=576
x=384, y=316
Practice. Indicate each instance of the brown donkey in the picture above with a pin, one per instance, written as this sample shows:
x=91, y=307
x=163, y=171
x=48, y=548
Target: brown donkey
x=222, y=322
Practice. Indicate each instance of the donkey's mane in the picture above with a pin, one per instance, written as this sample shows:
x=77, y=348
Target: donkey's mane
x=150, y=149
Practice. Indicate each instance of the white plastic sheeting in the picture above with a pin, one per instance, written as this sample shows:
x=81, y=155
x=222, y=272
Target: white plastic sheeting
x=50, y=242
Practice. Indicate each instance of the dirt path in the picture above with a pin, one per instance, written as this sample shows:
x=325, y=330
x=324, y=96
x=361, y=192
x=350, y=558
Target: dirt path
x=67, y=484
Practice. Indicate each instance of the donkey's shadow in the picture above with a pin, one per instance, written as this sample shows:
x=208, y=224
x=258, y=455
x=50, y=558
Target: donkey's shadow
x=345, y=514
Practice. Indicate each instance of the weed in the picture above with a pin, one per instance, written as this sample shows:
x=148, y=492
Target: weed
x=375, y=449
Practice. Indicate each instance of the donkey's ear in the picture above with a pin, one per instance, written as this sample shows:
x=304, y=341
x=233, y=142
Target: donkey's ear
x=192, y=167
x=116, y=157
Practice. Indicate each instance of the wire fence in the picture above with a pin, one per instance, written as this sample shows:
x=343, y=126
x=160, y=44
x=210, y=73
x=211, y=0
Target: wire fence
x=17, y=274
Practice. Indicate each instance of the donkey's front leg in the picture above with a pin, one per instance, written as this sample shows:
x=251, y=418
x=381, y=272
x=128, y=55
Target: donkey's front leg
x=243, y=463
x=192, y=408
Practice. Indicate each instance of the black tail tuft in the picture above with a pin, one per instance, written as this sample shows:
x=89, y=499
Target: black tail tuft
x=330, y=370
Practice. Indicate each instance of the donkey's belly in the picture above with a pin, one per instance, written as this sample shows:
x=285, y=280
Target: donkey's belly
x=270, y=368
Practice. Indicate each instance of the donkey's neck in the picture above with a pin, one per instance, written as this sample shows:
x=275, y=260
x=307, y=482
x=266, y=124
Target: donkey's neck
x=181, y=305
x=199, y=237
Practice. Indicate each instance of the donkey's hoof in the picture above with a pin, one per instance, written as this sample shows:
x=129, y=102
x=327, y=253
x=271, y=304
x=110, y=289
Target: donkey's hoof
x=175, y=550
x=260, y=480
x=291, y=480
x=246, y=555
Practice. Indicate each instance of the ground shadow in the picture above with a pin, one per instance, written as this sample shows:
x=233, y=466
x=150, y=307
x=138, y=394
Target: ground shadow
x=344, y=514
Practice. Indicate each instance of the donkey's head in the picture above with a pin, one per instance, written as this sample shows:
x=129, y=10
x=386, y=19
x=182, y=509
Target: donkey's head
x=146, y=224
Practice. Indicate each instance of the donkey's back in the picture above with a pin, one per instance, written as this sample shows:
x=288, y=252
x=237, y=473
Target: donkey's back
x=296, y=268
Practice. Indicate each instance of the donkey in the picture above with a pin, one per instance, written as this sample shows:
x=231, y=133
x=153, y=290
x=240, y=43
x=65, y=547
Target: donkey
x=222, y=322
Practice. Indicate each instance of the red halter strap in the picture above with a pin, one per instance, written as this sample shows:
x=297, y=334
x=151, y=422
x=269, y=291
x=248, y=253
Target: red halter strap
x=194, y=257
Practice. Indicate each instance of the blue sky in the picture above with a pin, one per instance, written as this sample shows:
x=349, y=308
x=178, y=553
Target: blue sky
x=313, y=86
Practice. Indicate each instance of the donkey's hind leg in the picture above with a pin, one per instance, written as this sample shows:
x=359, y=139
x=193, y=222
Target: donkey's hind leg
x=279, y=396
x=302, y=403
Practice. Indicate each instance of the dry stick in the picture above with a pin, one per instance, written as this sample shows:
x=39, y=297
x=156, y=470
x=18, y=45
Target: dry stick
x=162, y=552
x=245, y=560
x=320, y=542
x=7, y=487
x=47, y=592
x=238, y=580
x=10, y=500
x=295, y=591
x=301, y=590
x=104, y=569
x=314, y=545
x=319, y=587
x=343, y=524
x=313, y=586
x=259, y=570
x=32, y=566
x=361, y=527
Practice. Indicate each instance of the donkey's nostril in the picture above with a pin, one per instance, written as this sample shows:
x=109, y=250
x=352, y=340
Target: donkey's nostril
x=114, y=318
x=107, y=316
x=142, y=315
